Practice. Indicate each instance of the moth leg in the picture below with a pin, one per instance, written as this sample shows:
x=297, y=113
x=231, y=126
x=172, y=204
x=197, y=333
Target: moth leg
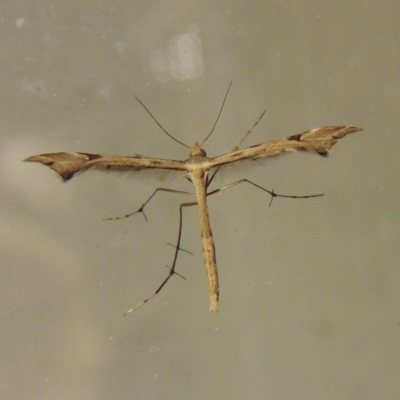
x=141, y=208
x=177, y=249
x=177, y=246
x=270, y=192
x=237, y=147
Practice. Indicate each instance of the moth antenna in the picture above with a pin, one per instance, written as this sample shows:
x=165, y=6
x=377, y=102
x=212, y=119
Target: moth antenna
x=219, y=114
x=155, y=120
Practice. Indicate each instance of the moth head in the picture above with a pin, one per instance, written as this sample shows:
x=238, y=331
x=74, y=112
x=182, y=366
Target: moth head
x=197, y=151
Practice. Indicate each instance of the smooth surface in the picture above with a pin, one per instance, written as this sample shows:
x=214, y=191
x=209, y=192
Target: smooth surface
x=309, y=288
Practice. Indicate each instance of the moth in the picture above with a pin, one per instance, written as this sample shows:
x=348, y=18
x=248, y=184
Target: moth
x=200, y=170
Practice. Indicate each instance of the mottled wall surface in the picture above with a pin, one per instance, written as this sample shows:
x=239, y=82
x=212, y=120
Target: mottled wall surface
x=309, y=288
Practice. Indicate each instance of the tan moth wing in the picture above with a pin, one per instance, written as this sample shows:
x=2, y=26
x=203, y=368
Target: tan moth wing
x=319, y=141
x=68, y=164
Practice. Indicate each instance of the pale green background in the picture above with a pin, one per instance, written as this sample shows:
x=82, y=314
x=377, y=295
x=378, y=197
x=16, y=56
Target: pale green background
x=310, y=295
